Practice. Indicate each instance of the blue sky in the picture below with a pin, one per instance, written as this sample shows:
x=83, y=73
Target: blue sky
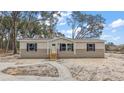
x=113, y=30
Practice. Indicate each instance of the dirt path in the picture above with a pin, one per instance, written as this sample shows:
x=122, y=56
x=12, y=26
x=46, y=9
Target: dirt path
x=64, y=73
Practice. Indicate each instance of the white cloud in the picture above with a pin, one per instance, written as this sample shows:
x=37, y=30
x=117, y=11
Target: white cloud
x=54, y=15
x=69, y=36
x=62, y=19
x=39, y=16
x=114, y=30
x=110, y=37
x=117, y=23
x=116, y=38
x=78, y=29
x=105, y=36
x=47, y=23
x=62, y=23
x=65, y=13
x=67, y=33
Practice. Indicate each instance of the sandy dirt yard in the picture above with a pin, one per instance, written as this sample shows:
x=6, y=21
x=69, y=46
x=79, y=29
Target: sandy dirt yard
x=110, y=68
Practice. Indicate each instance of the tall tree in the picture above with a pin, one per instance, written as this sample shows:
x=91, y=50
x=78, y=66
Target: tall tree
x=26, y=24
x=85, y=25
x=5, y=27
x=43, y=26
x=7, y=23
x=15, y=20
x=49, y=20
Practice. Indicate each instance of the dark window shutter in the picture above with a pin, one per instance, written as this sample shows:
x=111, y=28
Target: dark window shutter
x=72, y=47
x=94, y=47
x=65, y=47
x=60, y=46
x=27, y=46
x=35, y=46
x=87, y=47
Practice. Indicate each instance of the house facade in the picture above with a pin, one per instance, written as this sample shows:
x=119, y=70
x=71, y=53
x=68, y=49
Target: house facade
x=62, y=47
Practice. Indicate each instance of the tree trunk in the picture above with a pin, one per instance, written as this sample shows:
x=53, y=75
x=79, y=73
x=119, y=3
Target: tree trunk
x=8, y=43
x=11, y=41
x=14, y=37
x=2, y=43
x=73, y=34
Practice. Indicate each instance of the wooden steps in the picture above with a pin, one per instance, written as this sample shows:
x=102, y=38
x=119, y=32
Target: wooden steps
x=53, y=56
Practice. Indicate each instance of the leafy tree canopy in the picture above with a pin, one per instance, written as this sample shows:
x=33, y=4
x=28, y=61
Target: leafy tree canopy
x=85, y=25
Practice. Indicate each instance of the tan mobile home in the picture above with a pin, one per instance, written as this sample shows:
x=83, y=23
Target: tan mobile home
x=62, y=47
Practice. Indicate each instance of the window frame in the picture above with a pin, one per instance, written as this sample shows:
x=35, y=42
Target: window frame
x=61, y=47
x=91, y=48
x=34, y=47
x=72, y=47
x=53, y=44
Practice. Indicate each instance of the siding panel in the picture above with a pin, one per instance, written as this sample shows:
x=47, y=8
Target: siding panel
x=40, y=53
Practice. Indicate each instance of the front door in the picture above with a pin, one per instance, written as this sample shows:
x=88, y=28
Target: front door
x=53, y=52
